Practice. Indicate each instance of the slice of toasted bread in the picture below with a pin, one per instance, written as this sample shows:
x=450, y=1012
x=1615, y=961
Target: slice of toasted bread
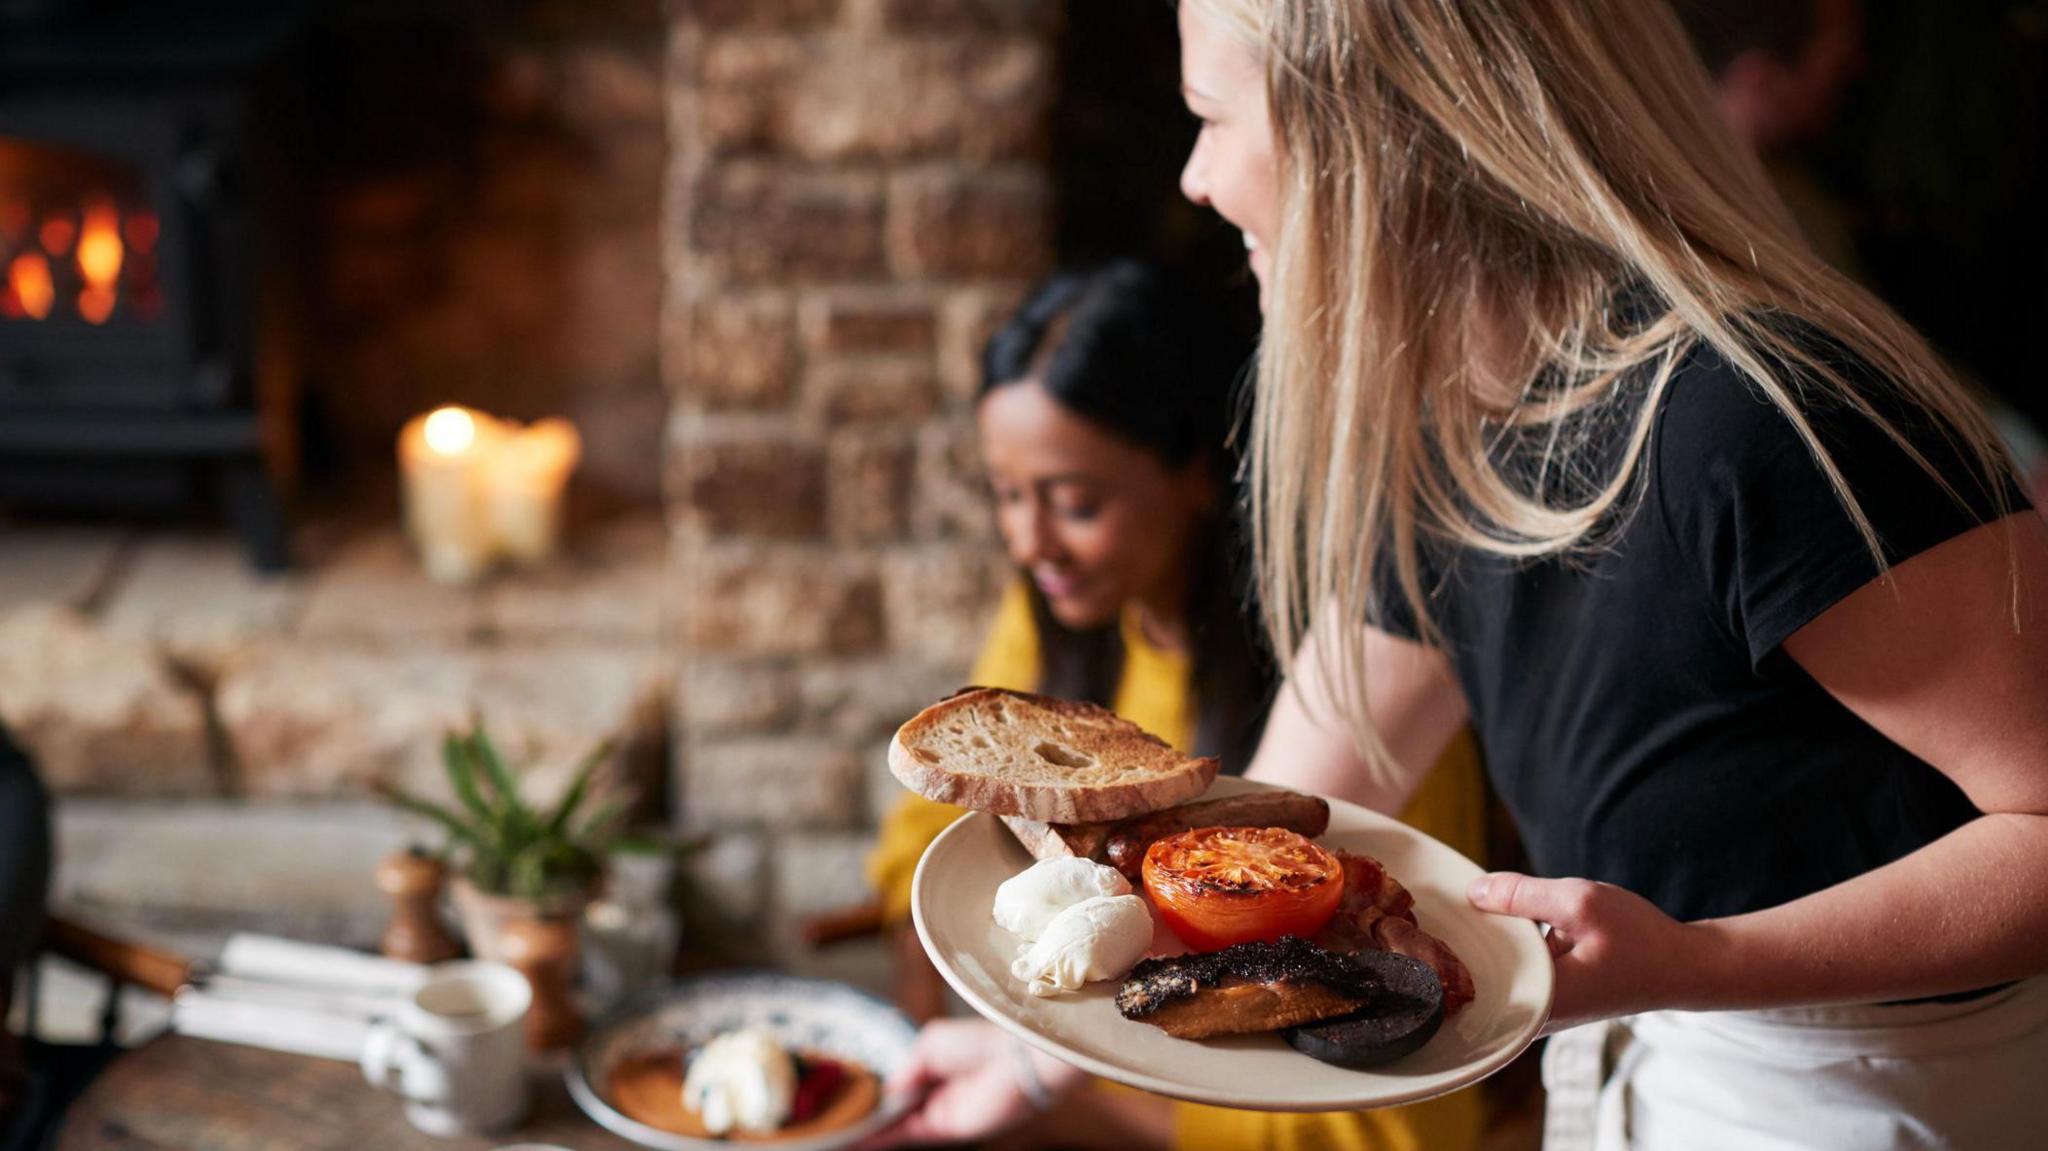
x=1050, y=760
x=1060, y=840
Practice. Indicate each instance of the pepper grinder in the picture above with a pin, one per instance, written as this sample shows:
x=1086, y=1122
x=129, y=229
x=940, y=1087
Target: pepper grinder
x=544, y=950
x=416, y=934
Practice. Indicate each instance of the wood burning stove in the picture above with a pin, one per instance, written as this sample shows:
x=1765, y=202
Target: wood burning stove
x=147, y=317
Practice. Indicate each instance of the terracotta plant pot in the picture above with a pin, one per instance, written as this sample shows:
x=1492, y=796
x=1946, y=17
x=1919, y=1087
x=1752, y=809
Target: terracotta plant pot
x=483, y=914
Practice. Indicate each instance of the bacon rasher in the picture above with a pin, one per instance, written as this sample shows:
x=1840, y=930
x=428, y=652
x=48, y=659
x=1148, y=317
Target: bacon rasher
x=1376, y=913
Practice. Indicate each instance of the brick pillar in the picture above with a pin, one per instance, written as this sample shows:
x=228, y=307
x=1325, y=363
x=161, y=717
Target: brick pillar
x=858, y=190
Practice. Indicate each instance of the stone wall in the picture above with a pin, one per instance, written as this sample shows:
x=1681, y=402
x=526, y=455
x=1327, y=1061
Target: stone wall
x=857, y=190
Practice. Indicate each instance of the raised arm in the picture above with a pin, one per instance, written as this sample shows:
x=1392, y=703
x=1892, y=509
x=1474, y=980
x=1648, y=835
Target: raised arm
x=1416, y=705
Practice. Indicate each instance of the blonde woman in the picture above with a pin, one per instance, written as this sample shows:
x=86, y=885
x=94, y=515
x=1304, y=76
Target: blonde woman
x=1560, y=430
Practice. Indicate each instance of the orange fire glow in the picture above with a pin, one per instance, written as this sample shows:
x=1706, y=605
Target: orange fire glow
x=29, y=279
x=90, y=258
x=56, y=234
x=96, y=304
x=99, y=248
x=142, y=230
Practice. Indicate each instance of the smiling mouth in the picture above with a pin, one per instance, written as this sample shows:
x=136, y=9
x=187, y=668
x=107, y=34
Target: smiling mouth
x=1055, y=585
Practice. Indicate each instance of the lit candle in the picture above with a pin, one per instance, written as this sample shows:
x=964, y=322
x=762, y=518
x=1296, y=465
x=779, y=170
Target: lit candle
x=441, y=458
x=524, y=479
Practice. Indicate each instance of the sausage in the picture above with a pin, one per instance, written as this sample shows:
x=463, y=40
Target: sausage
x=1306, y=814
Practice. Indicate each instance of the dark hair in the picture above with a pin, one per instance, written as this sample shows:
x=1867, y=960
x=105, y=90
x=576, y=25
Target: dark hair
x=1157, y=365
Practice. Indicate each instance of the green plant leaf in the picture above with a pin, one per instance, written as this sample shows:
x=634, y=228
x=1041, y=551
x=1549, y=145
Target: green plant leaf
x=573, y=797
x=485, y=753
x=462, y=777
x=457, y=829
x=488, y=873
x=522, y=877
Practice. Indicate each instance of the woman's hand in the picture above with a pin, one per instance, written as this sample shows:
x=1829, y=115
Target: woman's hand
x=965, y=1080
x=1616, y=953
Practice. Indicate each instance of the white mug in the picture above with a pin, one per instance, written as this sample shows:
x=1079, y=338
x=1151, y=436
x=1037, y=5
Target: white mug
x=454, y=1051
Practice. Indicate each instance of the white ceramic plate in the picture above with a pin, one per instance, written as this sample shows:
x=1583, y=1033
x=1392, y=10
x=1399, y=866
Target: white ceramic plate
x=1510, y=963
x=812, y=1014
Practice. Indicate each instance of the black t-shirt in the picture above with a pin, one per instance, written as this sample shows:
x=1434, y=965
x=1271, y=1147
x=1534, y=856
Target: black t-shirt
x=1638, y=716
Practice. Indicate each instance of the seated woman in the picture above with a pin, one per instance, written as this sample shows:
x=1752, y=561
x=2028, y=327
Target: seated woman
x=1105, y=413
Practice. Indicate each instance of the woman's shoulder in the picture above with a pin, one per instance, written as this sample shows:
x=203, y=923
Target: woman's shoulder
x=1748, y=485
x=1718, y=426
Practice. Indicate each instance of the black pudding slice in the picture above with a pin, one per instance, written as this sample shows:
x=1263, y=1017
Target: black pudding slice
x=1404, y=1013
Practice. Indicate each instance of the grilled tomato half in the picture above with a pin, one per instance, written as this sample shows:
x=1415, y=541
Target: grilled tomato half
x=1216, y=886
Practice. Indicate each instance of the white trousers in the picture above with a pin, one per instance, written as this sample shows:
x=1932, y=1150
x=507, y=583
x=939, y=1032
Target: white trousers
x=1955, y=1076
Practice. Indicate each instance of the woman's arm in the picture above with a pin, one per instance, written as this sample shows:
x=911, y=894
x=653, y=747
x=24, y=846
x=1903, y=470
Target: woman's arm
x=1416, y=706
x=1947, y=658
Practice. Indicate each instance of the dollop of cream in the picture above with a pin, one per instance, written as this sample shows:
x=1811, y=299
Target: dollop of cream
x=1098, y=938
x=1028, y=902
x=742, y=1079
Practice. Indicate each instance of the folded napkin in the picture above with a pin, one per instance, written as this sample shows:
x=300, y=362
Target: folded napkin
x=300, y=1030
x=305, y=998
x=359, y=1003
x=287, y=961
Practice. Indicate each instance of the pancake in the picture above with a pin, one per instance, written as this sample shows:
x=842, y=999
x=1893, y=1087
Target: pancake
x=648, y=1088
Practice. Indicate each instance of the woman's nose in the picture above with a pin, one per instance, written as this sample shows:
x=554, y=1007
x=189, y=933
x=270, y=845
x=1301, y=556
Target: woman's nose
x=1194, y=178
x=1030, y=538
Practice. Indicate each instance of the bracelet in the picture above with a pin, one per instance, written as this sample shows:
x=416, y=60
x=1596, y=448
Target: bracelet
x=1034, y=1088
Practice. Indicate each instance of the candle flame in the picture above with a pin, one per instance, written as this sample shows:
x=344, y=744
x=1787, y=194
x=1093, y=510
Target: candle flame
x=450, y=431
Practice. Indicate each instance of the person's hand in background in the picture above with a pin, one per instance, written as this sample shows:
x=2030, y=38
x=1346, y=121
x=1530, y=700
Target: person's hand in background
x=966, y=1081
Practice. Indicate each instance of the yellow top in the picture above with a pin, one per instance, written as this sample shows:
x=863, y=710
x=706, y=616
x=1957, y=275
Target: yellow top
x=1153, y=694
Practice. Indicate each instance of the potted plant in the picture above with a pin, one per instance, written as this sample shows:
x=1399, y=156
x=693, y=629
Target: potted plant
x=512, y=860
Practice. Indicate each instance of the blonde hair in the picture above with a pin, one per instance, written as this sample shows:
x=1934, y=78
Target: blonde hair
x=1526, y=163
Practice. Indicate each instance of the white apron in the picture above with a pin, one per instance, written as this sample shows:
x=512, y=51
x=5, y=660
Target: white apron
x=1969, y=1076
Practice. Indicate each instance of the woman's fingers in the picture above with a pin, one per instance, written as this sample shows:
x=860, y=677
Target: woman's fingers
x=916, y=1128
x=1616, y=952
x=1559, y=902
x=957, y=1084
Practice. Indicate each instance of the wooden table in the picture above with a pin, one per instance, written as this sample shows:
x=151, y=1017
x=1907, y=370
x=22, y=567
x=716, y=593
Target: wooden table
x=181, y=1094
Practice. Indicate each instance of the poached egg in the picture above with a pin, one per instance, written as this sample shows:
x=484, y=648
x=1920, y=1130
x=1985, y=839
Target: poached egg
x=1028, y=902
x=743, y=1079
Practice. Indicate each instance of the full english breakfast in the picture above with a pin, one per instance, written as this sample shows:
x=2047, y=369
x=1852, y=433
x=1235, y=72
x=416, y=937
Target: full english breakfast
x=1282, y=934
